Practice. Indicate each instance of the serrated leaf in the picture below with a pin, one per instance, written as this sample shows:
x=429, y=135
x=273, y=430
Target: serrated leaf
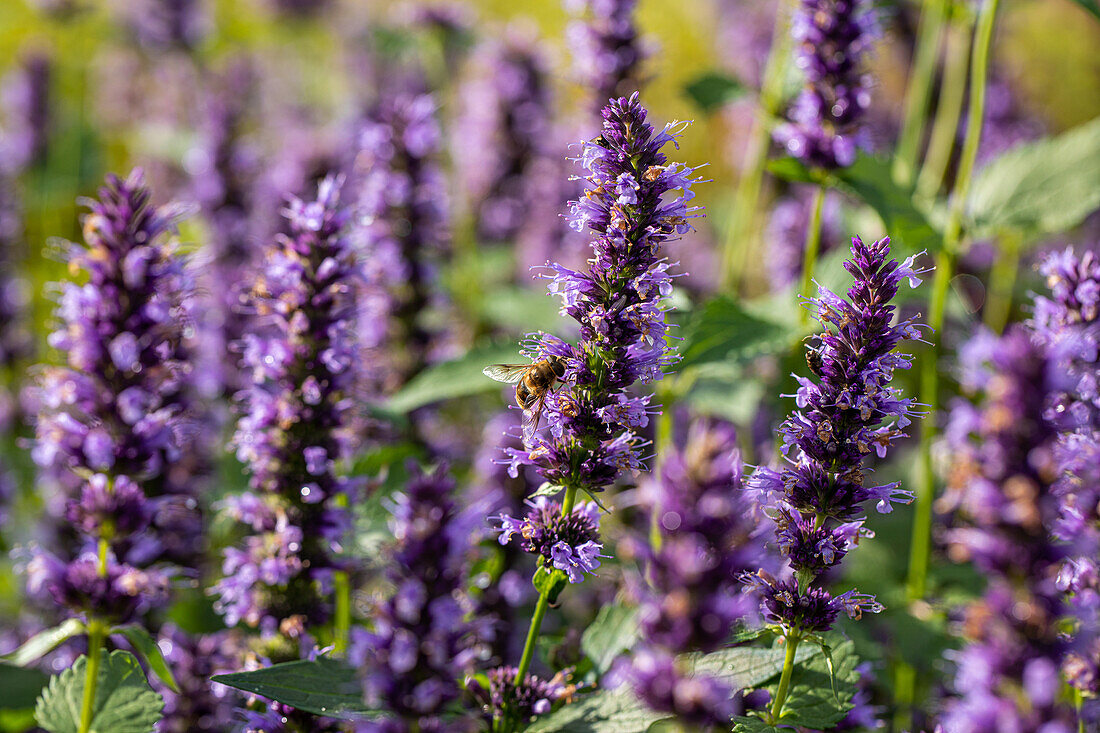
x=459, y=377
x=44, y=642
x=723, y=331
x=714, y=89
x=811, y=702
x=21, y=687
x=1038, y=188
x=322, y=686
x=612, y=632
x=742, y=667
x=604, y=711
x=146, y=646
x=124, y=701
x=746, y=724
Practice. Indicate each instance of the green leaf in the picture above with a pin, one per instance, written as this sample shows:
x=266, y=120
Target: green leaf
x=44, y=642
x=146, y=646
x=124, y=702
x=613, y=632
x=459, y=377
x=714, y=89
x=811, y=702
x=21, y=687
x=723, y=331
x=520, y=309
x=749, y=635
x=552, y=582
x=604, y=711
x=743, y=667
x=546, y=489
x=1091, y=6
x=1043, y=187
x=870, y=180
x=323, y=686
x=745, y=724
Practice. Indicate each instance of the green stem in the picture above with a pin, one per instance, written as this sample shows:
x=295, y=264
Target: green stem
x=813, y=245
x=740, y=234
x=1002, y=281
x=784, y=679
x=948, y=110
x=528, y=655
x=920, y=547
x=662, y=441
x=96, y=637
x=919, y=90
x=342, y=611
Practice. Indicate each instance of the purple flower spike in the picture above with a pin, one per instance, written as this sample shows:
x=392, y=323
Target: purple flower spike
x=422, y=644
x=297, y=420
x=618, y=302
x=691, y=598
x=845, y=411
x=832, y=37
x=569, y=543
x=534, y=696
x=1001, y=465
x=607, y=51
x=119, y=426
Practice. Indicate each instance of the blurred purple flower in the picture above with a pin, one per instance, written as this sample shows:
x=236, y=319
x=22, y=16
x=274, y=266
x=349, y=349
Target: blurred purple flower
x=607, y=52
x=1000, y=468
x=422, y=645
x=534, y=696
x=25, y=121
x=832, y=38
x=297, y=421
x=691, y=598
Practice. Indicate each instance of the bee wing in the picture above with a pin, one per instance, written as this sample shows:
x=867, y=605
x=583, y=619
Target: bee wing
x=507, y=373
x=531, y=417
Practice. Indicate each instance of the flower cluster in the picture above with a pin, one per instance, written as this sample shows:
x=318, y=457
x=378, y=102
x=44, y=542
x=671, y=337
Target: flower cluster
x=118, y=427
x=421, y=647
x=25, y=122
x=832, y=37
x=532, y=697
x=1001, y=468
x=402, y=202
x=198, y=706
x=298, y=421
x=502, y=133
x=692, y=598
x=845, y=411
x=618, y=302
x=567, y=542
x=606, y=47
x=1068, y=325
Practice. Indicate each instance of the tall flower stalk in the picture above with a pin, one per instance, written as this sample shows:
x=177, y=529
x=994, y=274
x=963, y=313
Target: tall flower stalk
x=1001, y=466
x=832, y=38
x=630, y=209
x=297, y=424
x=117, y=422
x=1067, y=324
x=692, y=596
x=846, y=410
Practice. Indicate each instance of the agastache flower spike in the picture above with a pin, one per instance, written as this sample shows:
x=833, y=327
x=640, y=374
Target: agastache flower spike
x=1001, y=464
x=118, y=424
x=846, y=410
x=630, y=210
x=832, y=36
x=691, y=597
x=567, y=542
x=297, y=420
x=607, y=49
x=1067, y=324
x=421, y=646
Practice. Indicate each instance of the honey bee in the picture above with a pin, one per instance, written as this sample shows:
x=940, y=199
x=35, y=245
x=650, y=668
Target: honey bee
x=814, y=358
x=533, y=382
